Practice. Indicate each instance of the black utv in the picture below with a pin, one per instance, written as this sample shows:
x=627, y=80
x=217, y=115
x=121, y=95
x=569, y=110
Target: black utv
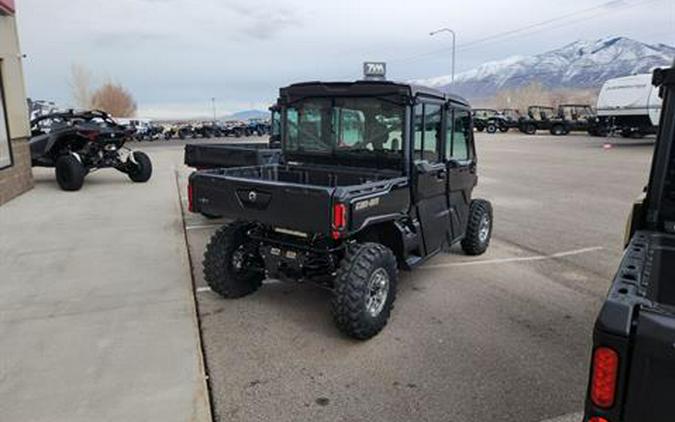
x=481, y=116
x=632, y=374
x=504, y=120
x=78, y=143
x=376, y=176
x=538, y=118
x=576, y=118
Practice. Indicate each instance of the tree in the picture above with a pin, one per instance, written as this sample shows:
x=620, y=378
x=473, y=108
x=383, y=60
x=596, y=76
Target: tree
x=80, y=83
x=114, y=99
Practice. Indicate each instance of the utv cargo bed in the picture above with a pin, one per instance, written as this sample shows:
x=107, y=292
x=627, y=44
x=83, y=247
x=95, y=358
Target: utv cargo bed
x=291, y=196
x=230, y=155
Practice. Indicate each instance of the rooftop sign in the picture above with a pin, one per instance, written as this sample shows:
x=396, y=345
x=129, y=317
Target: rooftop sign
x=375, y=70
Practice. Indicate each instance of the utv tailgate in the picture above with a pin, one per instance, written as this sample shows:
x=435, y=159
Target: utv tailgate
x=298, y=207
x=230, y=155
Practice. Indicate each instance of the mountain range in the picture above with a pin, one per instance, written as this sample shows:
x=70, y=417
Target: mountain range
x=581, y=64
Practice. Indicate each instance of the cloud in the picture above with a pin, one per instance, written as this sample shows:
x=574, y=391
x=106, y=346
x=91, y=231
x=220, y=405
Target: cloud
x=263, y=22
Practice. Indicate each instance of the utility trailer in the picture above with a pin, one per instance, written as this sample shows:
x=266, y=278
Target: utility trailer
x=632, y=374
x=629, y=106
x=376, y=176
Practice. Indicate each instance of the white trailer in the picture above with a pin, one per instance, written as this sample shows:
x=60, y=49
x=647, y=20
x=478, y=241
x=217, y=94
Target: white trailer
x=630, y=105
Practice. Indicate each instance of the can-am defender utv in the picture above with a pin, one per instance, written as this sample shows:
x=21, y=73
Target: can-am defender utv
x=504, y=120
x=576, y=118
x=78, y=143
x=538, y=118
x=376, y=176
x=632, y=374
x=481, y=116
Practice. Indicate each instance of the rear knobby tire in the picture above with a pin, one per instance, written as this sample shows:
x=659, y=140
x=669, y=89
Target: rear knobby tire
x=491, y=128
x=69, y=173
x=141, y=170
x=479, y=228
x=558, y=130
x=220, y=272
x=530, y=129
x=357, y=309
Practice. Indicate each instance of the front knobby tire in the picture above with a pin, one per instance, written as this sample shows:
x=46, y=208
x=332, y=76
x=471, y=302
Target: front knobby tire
x=479, y=228
x=70, y=173
x=225, y=262
x=365, y=290
x=140, y=171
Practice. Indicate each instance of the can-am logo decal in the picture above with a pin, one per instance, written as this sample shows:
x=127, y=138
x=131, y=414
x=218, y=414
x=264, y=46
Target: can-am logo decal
x=366, y=204
x=252, y=196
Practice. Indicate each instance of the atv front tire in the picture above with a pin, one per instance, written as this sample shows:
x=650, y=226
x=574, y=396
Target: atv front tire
x=479, y=228
x=140, y=171
x=365, y=290
x=226, y=260
x=69, y=173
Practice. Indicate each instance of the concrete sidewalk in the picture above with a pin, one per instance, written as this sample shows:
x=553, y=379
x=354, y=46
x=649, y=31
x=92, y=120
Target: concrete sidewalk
x=97, y=316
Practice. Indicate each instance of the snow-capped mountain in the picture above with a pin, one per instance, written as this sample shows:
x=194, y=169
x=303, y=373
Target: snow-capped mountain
x=582, y=64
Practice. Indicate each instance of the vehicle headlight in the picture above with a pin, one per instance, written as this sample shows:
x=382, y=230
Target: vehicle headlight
x=110, y=147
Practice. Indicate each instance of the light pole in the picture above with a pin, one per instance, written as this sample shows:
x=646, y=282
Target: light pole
x=213, y=104
x=453, y=48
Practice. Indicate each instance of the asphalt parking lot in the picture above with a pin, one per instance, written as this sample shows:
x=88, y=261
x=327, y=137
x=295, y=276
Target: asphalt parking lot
x=501, y=337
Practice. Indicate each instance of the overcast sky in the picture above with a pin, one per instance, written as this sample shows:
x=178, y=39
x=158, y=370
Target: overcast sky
x=174, y=55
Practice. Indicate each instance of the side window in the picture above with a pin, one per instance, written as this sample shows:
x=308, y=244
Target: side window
x=461, y=135
x=432, y=133
x=418, y=128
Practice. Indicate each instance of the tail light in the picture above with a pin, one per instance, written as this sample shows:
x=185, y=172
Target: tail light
x=603, y=377
x=191, y=203
x=597, y=419
x=89, y=134
x=339, y=220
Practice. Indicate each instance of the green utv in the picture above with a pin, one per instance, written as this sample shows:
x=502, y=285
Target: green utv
x=375, y=176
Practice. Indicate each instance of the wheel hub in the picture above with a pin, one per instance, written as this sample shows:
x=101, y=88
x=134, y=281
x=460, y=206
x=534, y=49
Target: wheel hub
x=238, y=260
x=378, y=291
x=484, y=229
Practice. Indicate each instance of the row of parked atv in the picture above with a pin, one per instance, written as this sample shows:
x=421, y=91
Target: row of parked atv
x=561, y=121
x=206, y=130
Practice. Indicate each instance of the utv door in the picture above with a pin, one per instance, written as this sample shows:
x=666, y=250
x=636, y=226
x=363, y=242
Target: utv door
x=430, y=174
x=461, y=168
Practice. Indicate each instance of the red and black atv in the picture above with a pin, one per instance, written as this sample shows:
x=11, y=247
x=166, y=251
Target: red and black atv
x=77, y=143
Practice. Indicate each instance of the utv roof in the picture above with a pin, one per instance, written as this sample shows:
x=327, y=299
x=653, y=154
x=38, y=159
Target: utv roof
x=298, y=91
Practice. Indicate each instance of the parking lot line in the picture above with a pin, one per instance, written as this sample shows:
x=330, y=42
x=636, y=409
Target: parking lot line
x=202, y=226
x=515, y=259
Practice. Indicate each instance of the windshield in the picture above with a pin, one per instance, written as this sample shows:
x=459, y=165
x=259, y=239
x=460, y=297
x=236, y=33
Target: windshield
x=343, y=125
